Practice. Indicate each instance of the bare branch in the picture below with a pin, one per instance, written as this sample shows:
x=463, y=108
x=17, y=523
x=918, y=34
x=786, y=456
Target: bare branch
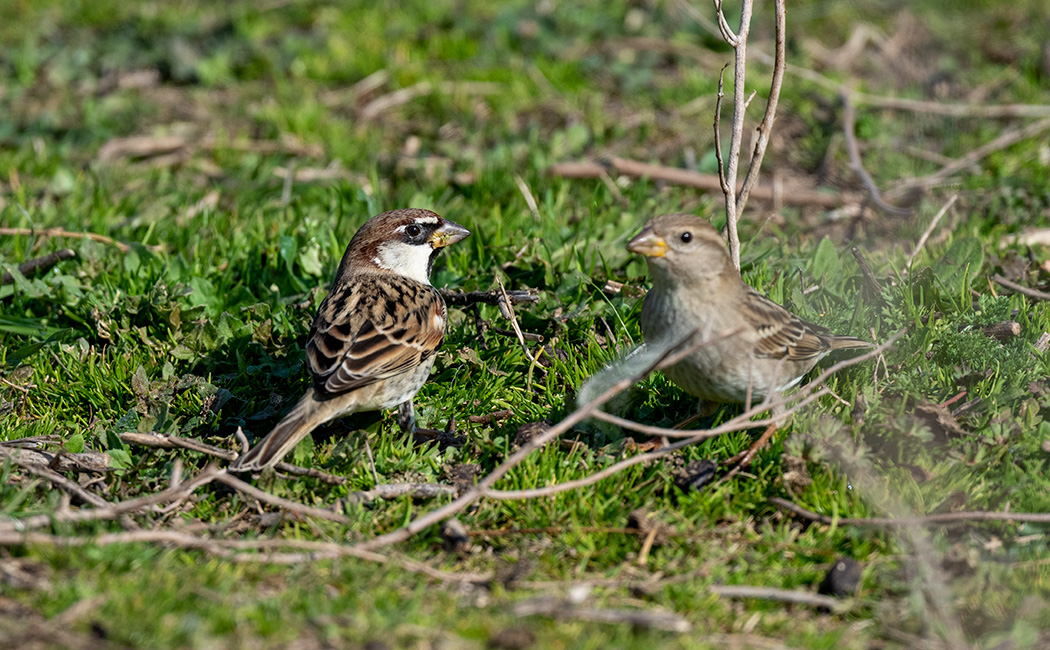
x=36, y=265
x=722, y=182
x=766, y=127
x=61, y=232
x=165, y=441
x=793, y=195
x=796, y=596
x=739, y=43
x=1005, y=139
x=56, y=479
x=395, y=490
x=1013, y=286
x=468, y=298
x=567, y=609
x=291, y=506
x=112, y=511
x=263, y=551
x=849, y=119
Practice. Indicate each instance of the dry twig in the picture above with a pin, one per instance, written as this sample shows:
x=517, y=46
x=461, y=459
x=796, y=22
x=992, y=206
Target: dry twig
x=1013, y=286
x=929, y=229
x=110, y=511
x=263, y=551
x=61, y=232
x=796, y=196
x=849, y=120
x=396, y=490
x=39, y=264
x=537, y=442
x=468, y=298
x=796, y=596
x=567, y=609
x=1006, y=139
x=165, y=441
x=735, y=203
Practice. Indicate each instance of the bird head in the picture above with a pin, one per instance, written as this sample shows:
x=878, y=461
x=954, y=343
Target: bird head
x=680, y=247
x=404, y=242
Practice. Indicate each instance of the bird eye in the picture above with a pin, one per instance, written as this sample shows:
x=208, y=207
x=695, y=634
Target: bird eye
x=413, y=230
x=687, y=237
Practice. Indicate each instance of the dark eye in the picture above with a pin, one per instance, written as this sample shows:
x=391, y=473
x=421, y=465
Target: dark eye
x=413, y=230
x=687, y=236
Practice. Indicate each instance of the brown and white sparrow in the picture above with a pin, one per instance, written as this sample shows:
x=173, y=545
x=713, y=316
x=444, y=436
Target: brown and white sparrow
x=696, y=287
x=374, y=339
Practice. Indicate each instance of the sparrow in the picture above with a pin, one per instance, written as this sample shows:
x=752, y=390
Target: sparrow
x=756, y=346
x=374, y=339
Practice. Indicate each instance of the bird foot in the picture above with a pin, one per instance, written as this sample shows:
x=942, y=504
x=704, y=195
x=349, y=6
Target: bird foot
x=445, y=438
x=706, y=409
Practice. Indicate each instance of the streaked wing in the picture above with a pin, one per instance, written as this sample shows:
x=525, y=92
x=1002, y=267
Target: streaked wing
x=373, y=328
x=781, y=333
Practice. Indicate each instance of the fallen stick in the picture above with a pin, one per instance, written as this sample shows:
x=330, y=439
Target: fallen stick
x=164, y=441
x=61, y=232
x=262, y=551
x=468, y=298
x=709, y=182
x=797, y=596
x=39, y=264
x=1013, y=286
x=566, y=609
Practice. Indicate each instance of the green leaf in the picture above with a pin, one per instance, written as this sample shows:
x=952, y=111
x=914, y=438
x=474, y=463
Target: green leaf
x=825, y=260
x=310, y=259
x=27, y=351
x=960, y=265
x=140, y=382
x=131, y=261
x=75, y=443
x=119, y=458
x=304, y=451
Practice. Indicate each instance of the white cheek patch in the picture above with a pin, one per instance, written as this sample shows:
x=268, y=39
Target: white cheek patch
x=405, y=259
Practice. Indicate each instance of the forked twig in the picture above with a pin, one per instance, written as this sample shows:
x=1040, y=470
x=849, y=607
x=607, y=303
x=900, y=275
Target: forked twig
x=734, y=202
x=849, y=126
x=765, y=128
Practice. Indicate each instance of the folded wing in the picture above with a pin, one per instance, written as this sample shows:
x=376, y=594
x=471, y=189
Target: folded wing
x=367, y=331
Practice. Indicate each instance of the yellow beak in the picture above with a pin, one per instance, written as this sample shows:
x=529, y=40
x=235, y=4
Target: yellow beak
x=448, y=233
x=648, y=243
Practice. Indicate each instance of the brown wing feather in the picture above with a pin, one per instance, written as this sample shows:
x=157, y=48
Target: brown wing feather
x=781, y=333
x=358, y=339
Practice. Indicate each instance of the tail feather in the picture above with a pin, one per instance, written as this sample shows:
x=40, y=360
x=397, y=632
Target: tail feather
x=850, y=343
x=307, y=415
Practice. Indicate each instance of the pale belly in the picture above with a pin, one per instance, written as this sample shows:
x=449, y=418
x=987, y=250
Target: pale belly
x=390, y=393
x=717, y=372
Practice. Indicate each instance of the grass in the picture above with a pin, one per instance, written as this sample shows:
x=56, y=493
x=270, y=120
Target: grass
x=197, y=329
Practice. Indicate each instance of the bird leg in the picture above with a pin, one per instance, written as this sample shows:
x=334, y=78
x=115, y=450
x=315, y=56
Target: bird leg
x=406, y=419
x=744, y=458
x=406, y=416
x=706, y=409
